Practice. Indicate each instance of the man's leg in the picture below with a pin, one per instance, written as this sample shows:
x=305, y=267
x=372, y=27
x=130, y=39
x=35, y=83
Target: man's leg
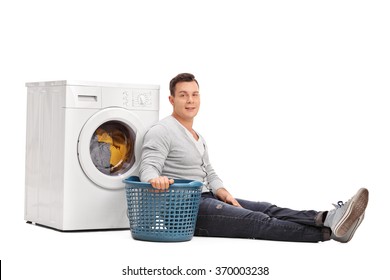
x=220, y=219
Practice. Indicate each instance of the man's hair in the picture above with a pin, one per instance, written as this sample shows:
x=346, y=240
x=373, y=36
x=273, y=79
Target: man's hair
x=183, y=77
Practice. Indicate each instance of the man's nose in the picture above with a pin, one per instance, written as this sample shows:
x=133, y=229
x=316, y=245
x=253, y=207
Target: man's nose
x=190, y=99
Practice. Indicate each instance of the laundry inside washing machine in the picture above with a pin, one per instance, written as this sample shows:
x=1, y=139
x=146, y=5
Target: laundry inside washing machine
x=112, y=148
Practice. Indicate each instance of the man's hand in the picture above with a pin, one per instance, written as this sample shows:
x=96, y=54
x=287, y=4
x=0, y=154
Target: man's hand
x=225, y=196
x=231, y=200
x=161, y=183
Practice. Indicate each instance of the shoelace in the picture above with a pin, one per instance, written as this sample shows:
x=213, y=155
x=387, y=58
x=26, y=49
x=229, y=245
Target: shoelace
x=339, y=204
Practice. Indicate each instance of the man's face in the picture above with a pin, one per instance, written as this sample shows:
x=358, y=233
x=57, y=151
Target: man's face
x=186, y=101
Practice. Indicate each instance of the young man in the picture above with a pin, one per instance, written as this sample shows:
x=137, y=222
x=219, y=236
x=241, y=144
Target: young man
x=172, y=149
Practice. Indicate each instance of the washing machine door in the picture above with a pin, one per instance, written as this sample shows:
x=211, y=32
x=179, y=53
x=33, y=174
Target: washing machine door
x=109, y=146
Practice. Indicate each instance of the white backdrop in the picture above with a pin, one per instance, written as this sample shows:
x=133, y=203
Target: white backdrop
x=295, y=110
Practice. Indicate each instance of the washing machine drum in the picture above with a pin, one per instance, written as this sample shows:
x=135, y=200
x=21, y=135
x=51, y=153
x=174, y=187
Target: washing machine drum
x=109, y=147
x=112, y=148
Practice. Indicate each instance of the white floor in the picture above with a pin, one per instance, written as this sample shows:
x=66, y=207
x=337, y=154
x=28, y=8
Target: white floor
x=34, y=252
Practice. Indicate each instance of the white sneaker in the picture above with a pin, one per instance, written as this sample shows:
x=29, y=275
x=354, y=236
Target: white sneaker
x=346, y=215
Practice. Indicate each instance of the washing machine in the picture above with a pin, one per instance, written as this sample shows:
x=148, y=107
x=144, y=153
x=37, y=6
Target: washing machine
x=82, y=140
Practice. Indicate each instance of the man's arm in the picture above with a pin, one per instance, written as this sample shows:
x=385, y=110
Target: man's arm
x=154, y=152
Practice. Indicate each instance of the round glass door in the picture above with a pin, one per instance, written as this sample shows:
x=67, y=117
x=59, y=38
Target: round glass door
x=109, y=147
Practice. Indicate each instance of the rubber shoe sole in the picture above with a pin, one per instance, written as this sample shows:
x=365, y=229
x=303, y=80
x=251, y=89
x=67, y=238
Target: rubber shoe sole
x=348, y=236
x=357, y=206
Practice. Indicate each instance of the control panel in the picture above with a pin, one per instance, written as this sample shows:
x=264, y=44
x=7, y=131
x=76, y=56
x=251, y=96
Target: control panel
x=142, y=98
x=131, y=98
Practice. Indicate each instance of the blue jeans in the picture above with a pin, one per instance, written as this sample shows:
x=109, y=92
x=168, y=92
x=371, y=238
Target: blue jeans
x=258, y=220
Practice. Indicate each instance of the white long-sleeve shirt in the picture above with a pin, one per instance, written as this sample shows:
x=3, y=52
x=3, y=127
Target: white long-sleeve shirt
x=168, y=150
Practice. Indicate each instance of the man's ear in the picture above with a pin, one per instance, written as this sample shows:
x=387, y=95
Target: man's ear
x=171, y=99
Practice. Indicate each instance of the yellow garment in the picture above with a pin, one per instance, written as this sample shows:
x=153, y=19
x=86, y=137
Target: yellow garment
x=103, y=136
x=119, y=151
x=118, y=146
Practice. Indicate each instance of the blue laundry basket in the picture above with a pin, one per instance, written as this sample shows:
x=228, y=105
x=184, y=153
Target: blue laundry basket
x=168, y=215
